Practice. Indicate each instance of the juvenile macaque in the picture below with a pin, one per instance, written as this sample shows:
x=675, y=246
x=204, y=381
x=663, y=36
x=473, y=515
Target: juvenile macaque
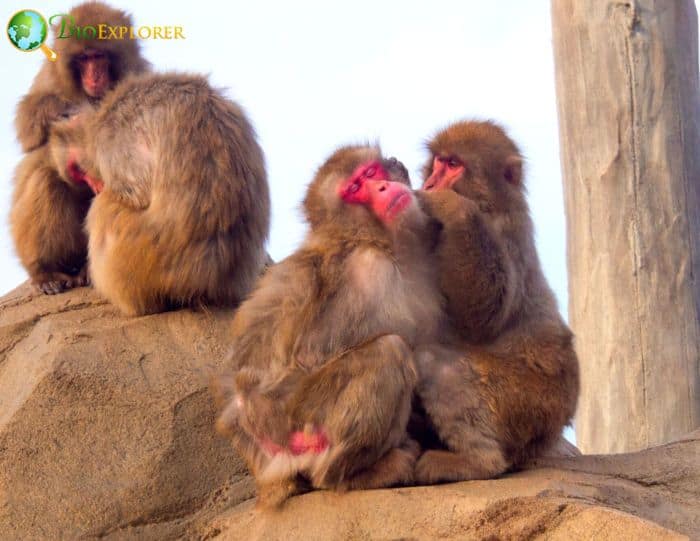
x=49, y=208
x=504, y=393
x=183, y=210
x=323, y=346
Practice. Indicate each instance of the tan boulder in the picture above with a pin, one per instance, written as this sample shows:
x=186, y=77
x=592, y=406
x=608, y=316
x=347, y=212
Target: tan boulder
x=106, y=430
x=653, y=494
x=105, y=421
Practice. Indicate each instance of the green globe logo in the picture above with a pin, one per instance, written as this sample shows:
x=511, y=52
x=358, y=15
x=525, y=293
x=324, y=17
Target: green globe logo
x=27, y=31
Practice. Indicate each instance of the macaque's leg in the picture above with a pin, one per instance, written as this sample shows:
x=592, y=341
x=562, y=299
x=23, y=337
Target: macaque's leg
x=124, y=262
x=483, y=460
x=272, y=494
x=47, y=226
x=453, y=394
x=360, y=403
x=395, y=468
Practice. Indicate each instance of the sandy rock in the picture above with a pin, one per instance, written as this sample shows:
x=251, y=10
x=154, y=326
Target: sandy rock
x=106, y=430
x=105, y=421
x=654, y=494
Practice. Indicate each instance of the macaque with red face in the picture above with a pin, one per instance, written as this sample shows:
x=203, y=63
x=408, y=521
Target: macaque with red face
x=49, y=208
x=323, y=347
x=183, y=209
x=502, y=393
x=92, y=68
x=83, y=72
x=51, y=199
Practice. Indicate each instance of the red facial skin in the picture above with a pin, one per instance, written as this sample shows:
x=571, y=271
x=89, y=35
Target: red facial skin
x=369, y=186
x=446, y=171
x=94, y=73
x=78, y=175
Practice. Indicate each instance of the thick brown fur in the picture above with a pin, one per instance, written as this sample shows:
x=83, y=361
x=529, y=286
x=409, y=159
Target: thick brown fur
x=503, y=393
x=185, y=209
x=57, y=90
x=47, y=218
x=324, y=343
x=48, y=210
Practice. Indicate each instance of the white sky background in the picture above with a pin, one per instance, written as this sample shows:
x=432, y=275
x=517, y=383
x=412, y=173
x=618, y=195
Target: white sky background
x=313, y=75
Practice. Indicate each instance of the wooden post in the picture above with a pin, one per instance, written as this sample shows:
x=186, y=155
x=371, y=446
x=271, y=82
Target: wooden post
x=629, y=123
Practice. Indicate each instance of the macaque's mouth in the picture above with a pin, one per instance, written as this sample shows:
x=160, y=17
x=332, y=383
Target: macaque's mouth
x=398, y=203
x=96, y=89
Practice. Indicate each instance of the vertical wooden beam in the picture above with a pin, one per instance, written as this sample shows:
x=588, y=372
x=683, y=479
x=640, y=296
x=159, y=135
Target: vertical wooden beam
x=629, y=123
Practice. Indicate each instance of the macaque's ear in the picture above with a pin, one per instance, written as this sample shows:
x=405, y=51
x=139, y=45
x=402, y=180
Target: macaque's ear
x=513, y=172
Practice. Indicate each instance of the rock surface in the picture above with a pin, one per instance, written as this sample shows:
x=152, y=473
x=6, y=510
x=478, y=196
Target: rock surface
x=653, y=494
x=106, y=431
x=105, y=421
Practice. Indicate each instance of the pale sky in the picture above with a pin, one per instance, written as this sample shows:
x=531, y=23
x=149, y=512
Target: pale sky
x=313, y=76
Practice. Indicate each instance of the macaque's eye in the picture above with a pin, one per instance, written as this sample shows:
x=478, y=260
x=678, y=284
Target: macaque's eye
x=354, y=187
x=370, y=172
x=452, y=163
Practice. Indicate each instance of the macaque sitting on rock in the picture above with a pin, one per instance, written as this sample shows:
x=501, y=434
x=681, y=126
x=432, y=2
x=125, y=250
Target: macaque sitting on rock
x=184, y=208
x=323, y=347
x=47, y=218
x=502, y=393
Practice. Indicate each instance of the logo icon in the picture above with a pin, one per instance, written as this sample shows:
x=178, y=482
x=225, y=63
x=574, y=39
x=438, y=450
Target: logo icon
x=28, y=30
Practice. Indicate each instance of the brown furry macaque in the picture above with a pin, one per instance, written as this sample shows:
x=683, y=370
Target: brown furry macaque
x=50, y=201
x=323, y=346
x=49, y=208
x=504, y=392
x=83, y=72
x=184, y=206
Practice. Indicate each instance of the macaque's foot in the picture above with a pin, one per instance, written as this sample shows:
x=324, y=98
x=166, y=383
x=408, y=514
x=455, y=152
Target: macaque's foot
x=396, y=467
x=82, y=279
x=272, y=495
x=445, y=466
x=412, y=447
x=52, y=283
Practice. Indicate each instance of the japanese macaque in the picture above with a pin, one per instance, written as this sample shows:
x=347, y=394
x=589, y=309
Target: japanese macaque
x=51, y=199
x=86, y=68
x=183, y=209
x=323, y=347
x=504, y=393
x=49, y=208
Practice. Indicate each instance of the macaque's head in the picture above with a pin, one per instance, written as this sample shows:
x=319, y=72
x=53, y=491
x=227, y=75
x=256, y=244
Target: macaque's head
x=68, y=145
x=89, y=66
x=479, y=161
x=358, y=189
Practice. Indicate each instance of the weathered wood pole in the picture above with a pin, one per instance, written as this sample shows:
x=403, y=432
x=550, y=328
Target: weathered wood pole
x=629, y=124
